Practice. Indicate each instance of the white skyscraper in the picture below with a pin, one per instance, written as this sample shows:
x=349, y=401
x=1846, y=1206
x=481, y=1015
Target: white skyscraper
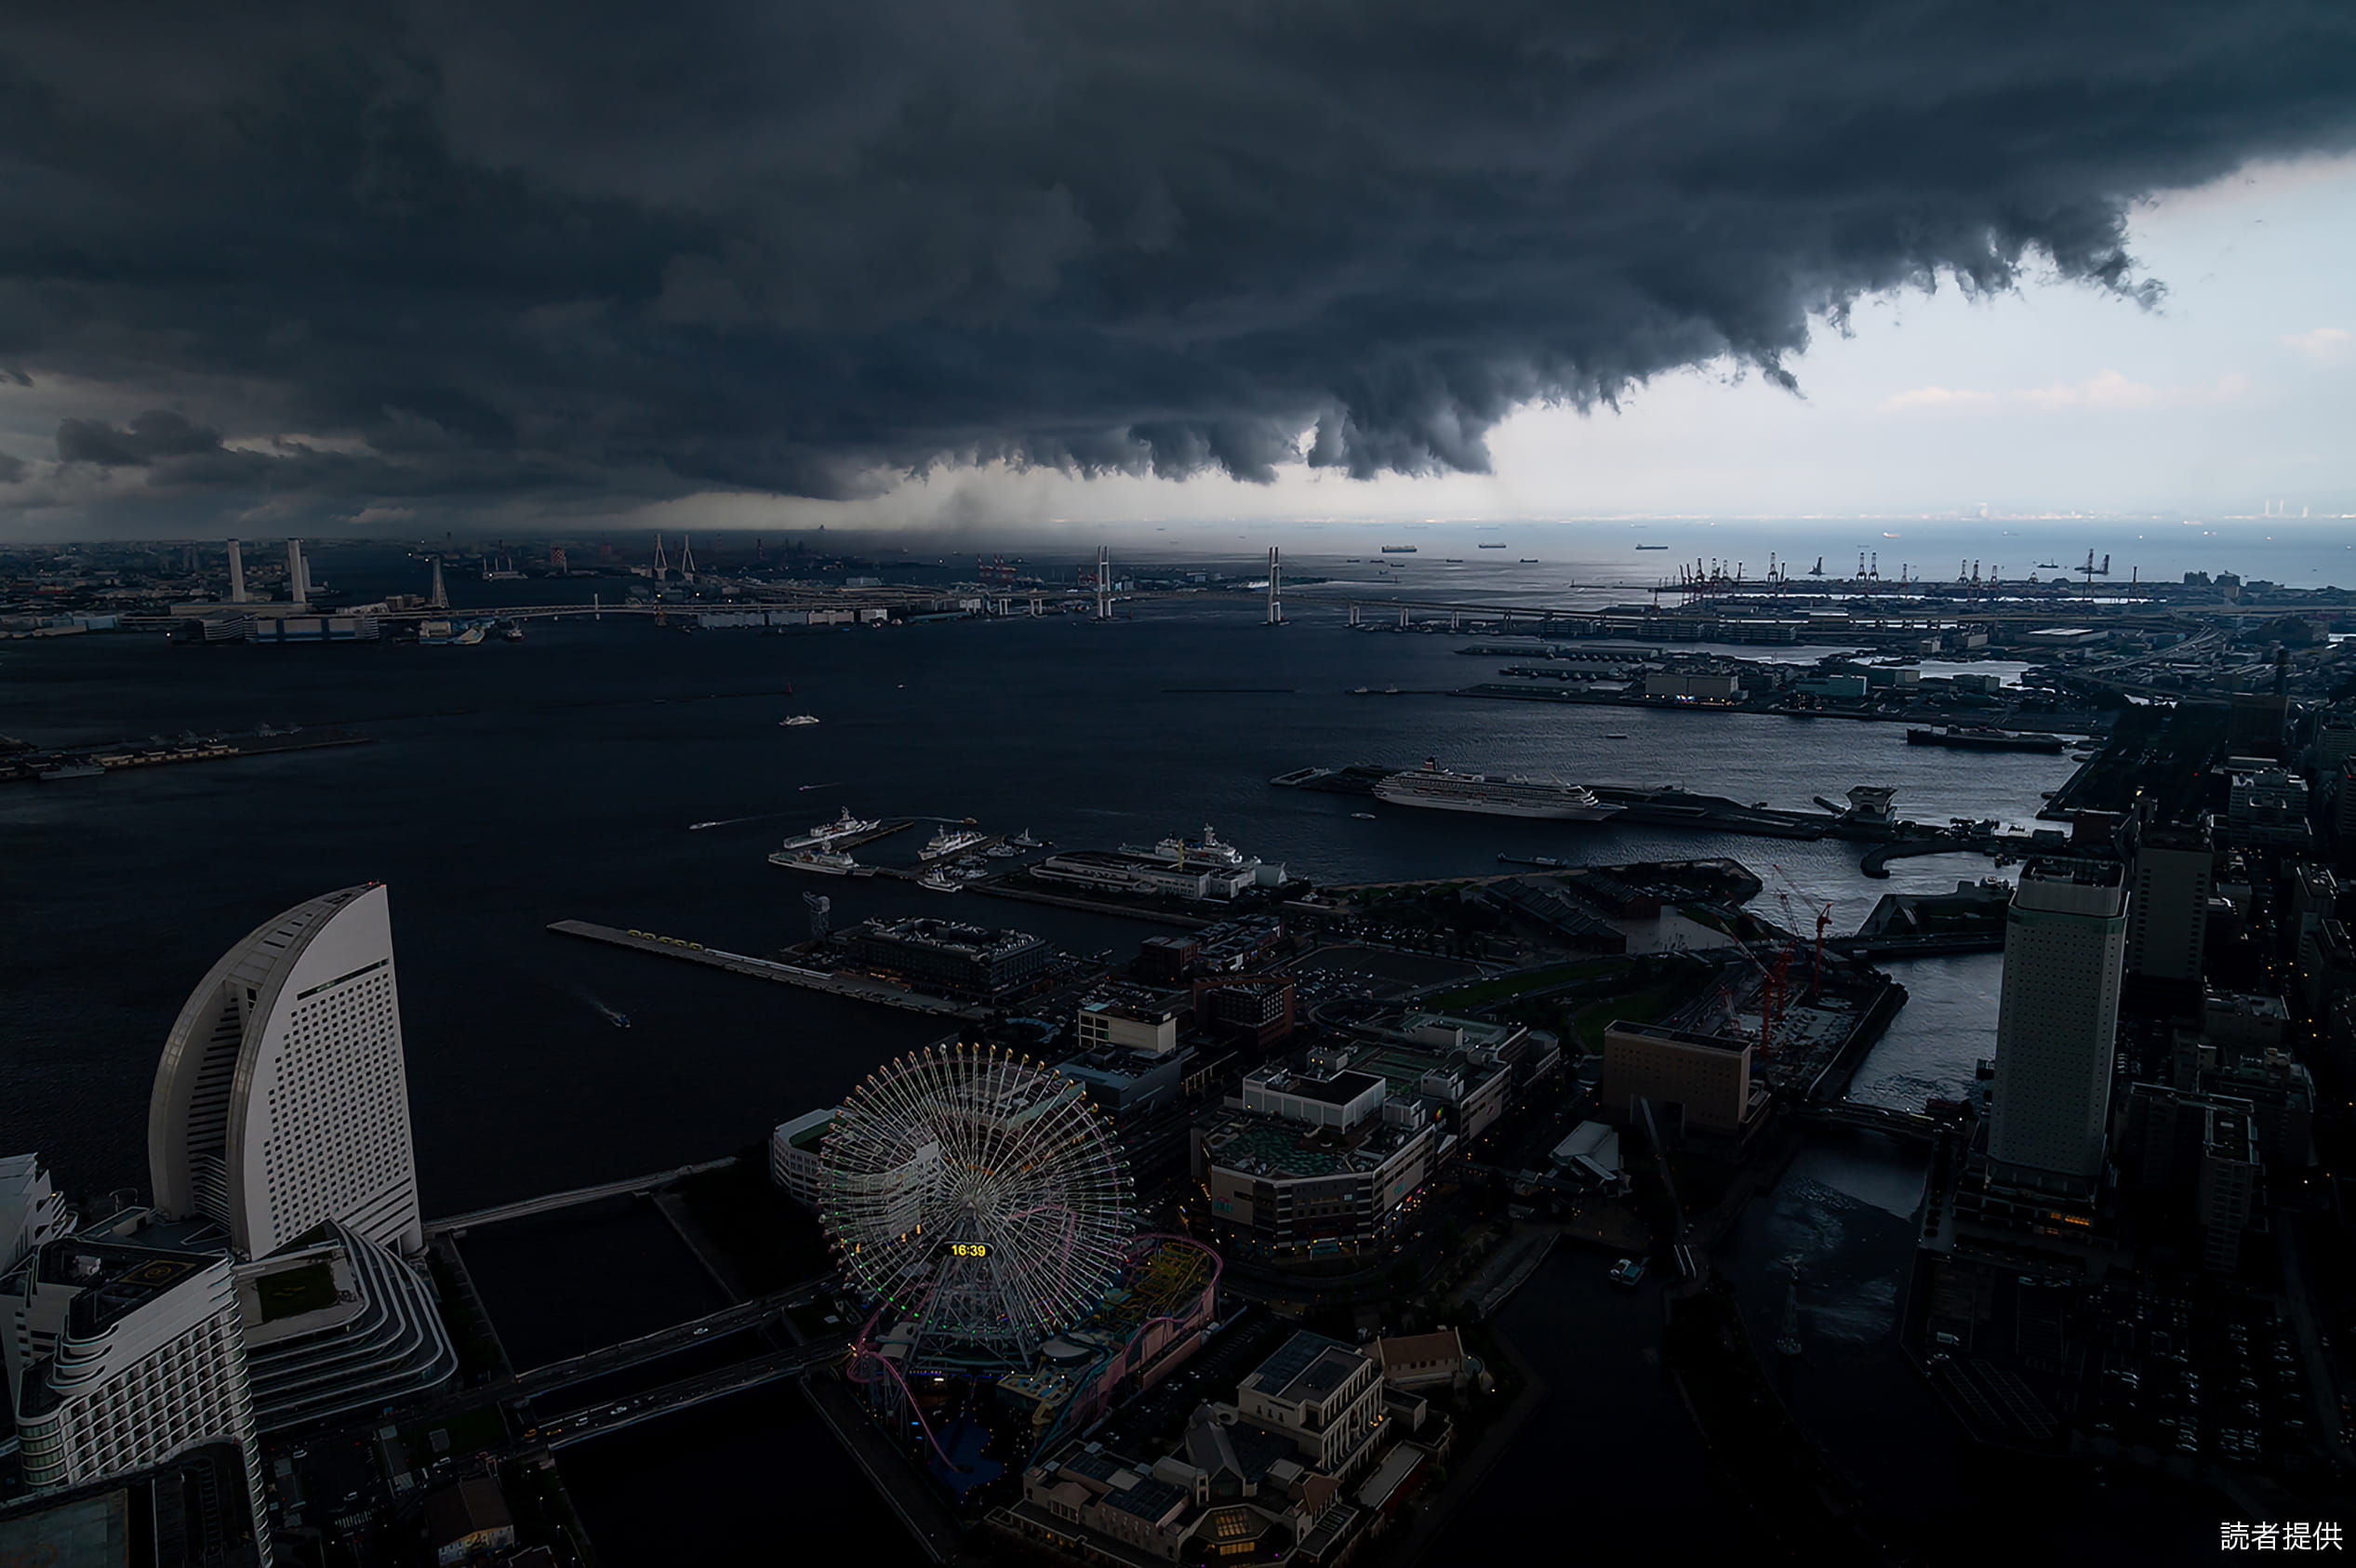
x=236, y=574
x=120, y=1357
x=282, y=1100
x=2065, y=938
x=298, y=574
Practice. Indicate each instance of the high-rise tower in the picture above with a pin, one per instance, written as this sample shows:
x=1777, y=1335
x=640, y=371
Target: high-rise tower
x=298, y=575
x=2065, y=937
x=236, y=574
x=282, y=1100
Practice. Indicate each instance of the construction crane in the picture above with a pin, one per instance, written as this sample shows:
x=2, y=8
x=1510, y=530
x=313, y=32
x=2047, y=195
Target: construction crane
x=1821, y=907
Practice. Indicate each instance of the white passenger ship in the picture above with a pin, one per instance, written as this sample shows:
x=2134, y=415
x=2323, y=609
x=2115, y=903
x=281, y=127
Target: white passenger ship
x=1441, y=789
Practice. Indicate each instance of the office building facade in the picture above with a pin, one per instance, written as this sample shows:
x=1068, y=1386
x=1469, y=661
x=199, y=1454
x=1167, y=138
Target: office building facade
x=2065, y=941
x=282, y=1101
x=2174, y=879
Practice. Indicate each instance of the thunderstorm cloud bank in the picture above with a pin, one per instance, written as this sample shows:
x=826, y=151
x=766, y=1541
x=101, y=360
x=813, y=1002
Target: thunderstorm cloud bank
x=451, y=256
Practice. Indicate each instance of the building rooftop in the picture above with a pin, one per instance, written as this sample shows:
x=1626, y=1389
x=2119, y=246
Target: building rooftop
x=1306, y=1367
x=116, y=1279
x=1266, y=1145
x=1667, y=1035
x=948, y=934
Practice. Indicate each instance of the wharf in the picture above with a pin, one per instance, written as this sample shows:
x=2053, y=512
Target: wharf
x=119, y=756
x=852, y=987
x=1000, y=887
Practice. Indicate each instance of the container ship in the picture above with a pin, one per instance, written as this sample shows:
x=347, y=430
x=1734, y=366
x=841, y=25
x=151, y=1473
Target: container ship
x=1980, y=738
x=1398, y=550
x=1437, y=787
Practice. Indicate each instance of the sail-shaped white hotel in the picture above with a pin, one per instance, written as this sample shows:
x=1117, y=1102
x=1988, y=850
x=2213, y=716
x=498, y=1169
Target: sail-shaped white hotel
x=282, y=1101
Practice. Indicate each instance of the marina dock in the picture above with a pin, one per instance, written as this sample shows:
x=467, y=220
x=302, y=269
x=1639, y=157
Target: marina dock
x=853, y=987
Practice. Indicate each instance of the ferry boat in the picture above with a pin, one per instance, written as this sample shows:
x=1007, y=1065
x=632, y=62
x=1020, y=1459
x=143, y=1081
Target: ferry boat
x=844, y=827
x=791, y=720
x=948, y=841
x=1981, y=738
x=1207, y=852
x=1441, y=789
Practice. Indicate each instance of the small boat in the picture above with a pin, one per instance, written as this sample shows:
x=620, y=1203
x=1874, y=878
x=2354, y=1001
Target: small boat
x=1364, y=816
x=1615, y=735
x=1628, y=1271
x=700, y=826
x=791, y=720
x=1024, y=841
x=1001, y=851
x=512, y=631
x=938, y=881
x=1529, y=560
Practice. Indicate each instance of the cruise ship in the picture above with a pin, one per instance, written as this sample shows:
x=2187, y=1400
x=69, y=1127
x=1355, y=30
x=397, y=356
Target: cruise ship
x=1441, y=789
x=948, y=841
x=844, y=827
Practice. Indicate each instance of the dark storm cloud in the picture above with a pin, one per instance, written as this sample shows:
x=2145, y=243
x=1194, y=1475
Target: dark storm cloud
x=568, y=249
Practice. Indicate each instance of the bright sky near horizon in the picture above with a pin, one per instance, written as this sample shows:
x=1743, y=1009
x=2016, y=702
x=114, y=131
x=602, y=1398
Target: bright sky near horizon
x=2238, y=389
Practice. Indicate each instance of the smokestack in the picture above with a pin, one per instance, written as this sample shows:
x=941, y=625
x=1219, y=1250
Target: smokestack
x=236, y=574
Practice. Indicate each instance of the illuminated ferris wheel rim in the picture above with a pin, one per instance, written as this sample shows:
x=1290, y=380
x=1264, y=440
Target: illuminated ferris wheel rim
x=978, y=1191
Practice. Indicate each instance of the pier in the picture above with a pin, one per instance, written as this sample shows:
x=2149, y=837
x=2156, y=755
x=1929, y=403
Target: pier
x=852, y=987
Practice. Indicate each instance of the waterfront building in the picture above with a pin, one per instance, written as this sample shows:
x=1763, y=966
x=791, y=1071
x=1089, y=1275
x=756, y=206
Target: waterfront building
x=2174, y=879
x=2065, y=938
x=946, y=955
x=793, y=1154
x=1422, y=1360
x=282, y=1101
x=1263, y=1479
x=31, y=1210
x=1702, y=1081
x=1126, y=871
x=338, y=1328
x=120, y=1357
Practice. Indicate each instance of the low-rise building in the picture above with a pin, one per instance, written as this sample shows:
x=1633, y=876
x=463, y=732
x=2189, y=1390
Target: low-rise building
x=947, y=956
x=793, y=1154
x=1421, y=1360
x=1704, y=1078
x=466, y=1519
x=337, y=1328
x=1309, y=1165
x=1252, y=1010
x=1129, y=1018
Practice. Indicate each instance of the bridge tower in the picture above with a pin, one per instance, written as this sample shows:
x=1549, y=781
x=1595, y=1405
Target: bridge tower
x=1275, y=589
x=661, y=566
x=686, y=557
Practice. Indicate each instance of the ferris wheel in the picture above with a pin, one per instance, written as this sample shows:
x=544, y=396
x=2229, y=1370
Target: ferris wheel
x=979, y=1195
